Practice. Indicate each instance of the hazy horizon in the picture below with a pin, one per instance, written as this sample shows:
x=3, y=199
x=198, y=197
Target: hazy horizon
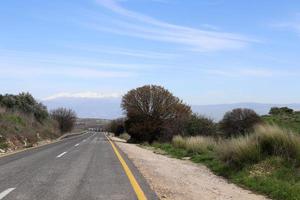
x=109, y=108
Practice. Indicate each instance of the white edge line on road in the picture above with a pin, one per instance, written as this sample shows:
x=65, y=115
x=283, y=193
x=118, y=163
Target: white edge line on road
x=6, y=192
x=76, y=145
x=60, y=155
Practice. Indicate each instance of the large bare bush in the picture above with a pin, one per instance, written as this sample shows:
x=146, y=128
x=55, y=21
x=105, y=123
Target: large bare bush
x=154, y=113
x=66, y=118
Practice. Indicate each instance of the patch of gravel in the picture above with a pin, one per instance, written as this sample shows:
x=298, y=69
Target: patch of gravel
x=174, y=179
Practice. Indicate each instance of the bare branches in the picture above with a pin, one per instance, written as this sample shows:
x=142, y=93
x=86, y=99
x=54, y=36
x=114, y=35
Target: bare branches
x=153, y=113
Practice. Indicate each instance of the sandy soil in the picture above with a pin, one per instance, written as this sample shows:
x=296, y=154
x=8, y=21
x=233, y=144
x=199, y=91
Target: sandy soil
x=174, y=179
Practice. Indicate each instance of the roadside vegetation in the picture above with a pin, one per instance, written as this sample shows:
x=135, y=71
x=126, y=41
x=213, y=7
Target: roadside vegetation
x=66, y=119
x=24, y=122
x=284, y=117
x=261, y=153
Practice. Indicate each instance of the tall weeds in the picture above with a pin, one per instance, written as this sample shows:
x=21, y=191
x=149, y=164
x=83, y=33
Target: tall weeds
x=196, y=144
x=267, y=140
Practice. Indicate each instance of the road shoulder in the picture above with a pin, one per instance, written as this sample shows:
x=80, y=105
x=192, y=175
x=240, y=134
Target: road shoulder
x=179, y=179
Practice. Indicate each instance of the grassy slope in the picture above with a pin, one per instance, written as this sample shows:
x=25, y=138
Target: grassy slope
x=16, y=128
x=291, y=121
x=273, y=176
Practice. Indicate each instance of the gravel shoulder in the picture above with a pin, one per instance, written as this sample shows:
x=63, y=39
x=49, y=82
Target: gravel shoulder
x=175, y=179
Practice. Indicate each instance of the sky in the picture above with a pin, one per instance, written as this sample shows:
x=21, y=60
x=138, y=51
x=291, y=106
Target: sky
x=203, y=51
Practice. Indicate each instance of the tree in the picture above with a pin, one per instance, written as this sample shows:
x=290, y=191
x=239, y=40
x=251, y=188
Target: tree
x=40, y=112
x=281, y=111
x=25, y=103
x=239, y=122
x=200, y=125
x=66, y=119
x=153, y=113
x=117, y=126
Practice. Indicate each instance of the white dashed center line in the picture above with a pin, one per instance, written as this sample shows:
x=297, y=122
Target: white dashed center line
x=76, y=145
x=60, y=155
x=6, y=192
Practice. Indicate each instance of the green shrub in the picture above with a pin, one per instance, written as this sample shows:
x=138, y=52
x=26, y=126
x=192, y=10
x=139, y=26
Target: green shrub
x=12, y=118
x=239, y=122
x=3, y=144
x=24, y=103
x=281, y=111
x=200, y=125
x=117, y=126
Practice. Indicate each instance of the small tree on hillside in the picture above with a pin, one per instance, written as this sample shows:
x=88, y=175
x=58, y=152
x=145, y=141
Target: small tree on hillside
x=200, y=125
x=239, y=122
x=281, y=111
x=153, y=113
x=66, y=119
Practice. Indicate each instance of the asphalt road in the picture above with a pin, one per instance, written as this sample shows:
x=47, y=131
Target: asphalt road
x=79, y=168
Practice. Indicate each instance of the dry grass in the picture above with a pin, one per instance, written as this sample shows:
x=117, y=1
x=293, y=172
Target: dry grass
x=196, y=144
x=239, y=151
x=124, y=136
x=19, y=130
x=267, y=140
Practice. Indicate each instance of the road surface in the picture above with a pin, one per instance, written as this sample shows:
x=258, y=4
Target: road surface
x=80, y=168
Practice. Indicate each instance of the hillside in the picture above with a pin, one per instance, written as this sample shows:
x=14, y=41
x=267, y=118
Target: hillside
x=289, y=121
x=24, y=122
x=104, y=108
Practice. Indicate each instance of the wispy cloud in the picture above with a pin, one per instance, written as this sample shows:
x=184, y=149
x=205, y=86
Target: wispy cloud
x=10, y=57
x=66, y=72
x=251, y=72
x=139, y=25
x=289, y=25
x=123, y=51
x=90, y=95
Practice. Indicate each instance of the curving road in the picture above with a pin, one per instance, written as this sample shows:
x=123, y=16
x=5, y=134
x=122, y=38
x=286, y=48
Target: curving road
x=80, y=168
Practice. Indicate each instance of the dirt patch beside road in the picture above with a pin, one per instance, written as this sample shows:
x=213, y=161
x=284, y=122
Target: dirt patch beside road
x=174, y=179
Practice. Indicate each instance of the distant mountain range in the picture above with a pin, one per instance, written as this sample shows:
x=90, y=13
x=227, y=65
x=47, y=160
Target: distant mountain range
x=217, y=111
x=109, y=108
x=103, y=108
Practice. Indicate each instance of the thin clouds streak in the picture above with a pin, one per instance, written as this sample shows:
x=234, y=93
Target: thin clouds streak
x=143, y=26
x=251, y=72
x=57, y=72
x=290, y=25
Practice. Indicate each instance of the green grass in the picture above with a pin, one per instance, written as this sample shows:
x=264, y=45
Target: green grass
x=3, y=145
x=264, y=162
